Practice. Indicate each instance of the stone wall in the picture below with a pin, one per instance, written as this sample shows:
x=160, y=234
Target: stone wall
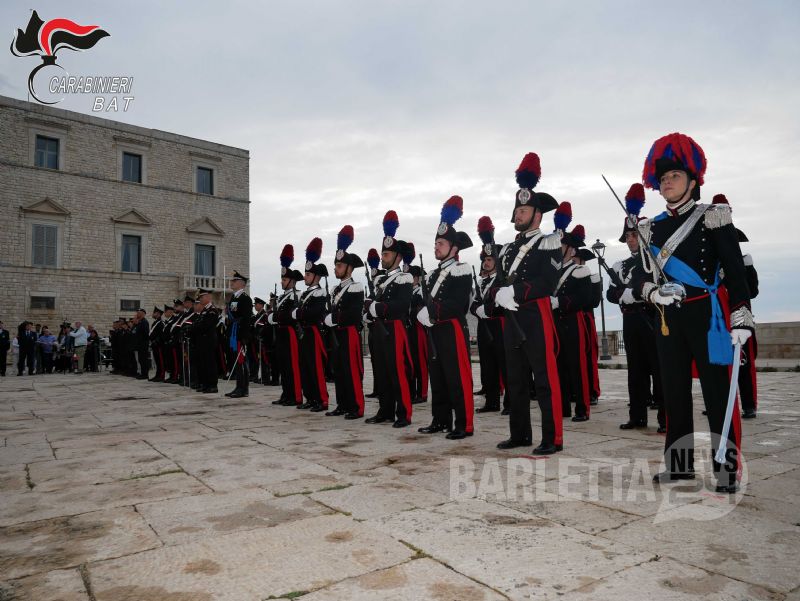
x=93, y=208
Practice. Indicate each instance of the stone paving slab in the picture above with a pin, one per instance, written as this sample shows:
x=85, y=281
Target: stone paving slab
x=34, y=547
x=420, y=579
x=305, y=555
x=57, y=585
x=271, y=501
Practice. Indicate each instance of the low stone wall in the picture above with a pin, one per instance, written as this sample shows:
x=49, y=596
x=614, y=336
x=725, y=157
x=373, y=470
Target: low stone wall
x=779, y=340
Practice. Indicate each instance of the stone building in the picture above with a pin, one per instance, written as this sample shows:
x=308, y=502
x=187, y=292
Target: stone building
x=100, y=217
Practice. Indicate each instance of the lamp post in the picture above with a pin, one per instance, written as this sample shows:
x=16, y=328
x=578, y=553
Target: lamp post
x=599, y=249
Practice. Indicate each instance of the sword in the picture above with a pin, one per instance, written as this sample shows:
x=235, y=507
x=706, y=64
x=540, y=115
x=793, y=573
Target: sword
x=235, y=363
x=669, y=287
x=726, y=425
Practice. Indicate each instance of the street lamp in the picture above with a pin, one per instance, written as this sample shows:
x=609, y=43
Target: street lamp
x=599, y=249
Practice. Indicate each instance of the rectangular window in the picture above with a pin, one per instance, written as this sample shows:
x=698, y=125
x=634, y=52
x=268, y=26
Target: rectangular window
x=204, y=259
x=43, y=302
x=205, y=180
x=131, y=167
x=45, y=243
x=127, y=304
x=131, y=253
x=46, y=152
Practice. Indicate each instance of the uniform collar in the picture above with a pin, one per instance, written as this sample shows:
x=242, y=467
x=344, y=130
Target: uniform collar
x=346, y=281
x=393, y=271
x=447, y=263
x=238, y=293
x=681, y=209
x=208, y=306
x=531, y=233
x=314, y=287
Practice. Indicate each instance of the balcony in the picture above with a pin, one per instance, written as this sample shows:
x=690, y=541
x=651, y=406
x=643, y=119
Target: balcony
x=207, y=282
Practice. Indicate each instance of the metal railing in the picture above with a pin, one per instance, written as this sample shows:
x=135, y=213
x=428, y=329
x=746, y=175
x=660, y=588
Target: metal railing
x=208, y=282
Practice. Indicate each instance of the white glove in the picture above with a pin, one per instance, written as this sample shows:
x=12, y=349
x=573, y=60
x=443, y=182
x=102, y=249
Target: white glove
x=505, y=298
x=329, y=320
x=294, y=313
x=481, y=312
x=424, y=318
x=372, y=310
x=271, y=318
x=554, y=302
x=740, y=336
x=660, y=299
x=627, y=297
x=365, y=319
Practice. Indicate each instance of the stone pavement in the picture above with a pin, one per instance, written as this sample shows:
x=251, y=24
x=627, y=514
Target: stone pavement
x=113, y=489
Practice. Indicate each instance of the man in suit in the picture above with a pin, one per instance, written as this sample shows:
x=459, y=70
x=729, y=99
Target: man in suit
x=27, y=344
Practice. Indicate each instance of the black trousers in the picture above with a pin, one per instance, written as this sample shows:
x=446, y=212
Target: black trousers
x=239, y=365
x=143, y=359
x=25, y=357
x=748, y=383
x=572, y=366
x=687, y=340
x=3, y=361
x=373, y=336
x=159, y=360
x=349, y=371
x=393, y=361
x=537, y=355
x=288, y=353
x=207, y=374
x=418, y=346
x=312, y=366
x=492, y=358
x=639, y=337
x=47, y=363
x=451, y=375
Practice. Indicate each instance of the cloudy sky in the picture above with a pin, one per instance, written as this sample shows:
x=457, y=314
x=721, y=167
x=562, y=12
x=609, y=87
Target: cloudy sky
x=351, y=108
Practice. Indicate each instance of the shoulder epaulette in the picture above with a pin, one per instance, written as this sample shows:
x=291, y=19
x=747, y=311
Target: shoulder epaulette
x=355, y=287
x=581, y=271
x=595, y=277
x=461, y=269
x=550, y=242
x=617, y=266
x=748, y=260
x=317, y=292
x=717, y=215
x=404, y=278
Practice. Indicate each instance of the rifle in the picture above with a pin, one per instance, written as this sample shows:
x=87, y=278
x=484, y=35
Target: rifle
x=371, y=287
x=613, y=275
x=426, y=297
x=334, y=342
x=518, y=335
x=488, y=333
x=669, y=287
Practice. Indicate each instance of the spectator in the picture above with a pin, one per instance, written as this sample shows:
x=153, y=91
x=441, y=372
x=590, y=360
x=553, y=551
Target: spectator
x=5, y=344
x=66, y=345
x=80, y=337
x=92, y=350
x=47, y=345
x=37, y=350
x=27, y=345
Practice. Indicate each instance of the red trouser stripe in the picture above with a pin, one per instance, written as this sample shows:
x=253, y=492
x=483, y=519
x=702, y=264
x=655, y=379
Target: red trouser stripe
x=422, y=352
x=294, y=358
x=582, y=362
x=465, y=371
x=550, y=339
x=356, y=367
x=319, y=365
x=402, y=354
x=593, y=347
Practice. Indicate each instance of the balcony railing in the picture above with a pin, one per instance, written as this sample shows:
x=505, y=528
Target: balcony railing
x=207, y=282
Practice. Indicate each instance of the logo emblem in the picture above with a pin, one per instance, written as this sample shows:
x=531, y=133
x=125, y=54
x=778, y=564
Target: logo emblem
x=309, y=265
x=524, y=196
x=442, y=229
x=339, y=254
x=387, y=241
x=45, y=39
x=284, y=270
x=487, y=250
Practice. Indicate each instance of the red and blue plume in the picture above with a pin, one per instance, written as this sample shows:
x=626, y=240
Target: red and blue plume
x=373, y=258
x=390, y=223
x=486, y=230
x=345, y=237
x=409, y=253
x=634, y=199
x=578, y=233
x=287, y=255
x=314, y=250
x=563, y=216
x=452, y=210
x=529, y=171
x=677, y=147
x=720, y=199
